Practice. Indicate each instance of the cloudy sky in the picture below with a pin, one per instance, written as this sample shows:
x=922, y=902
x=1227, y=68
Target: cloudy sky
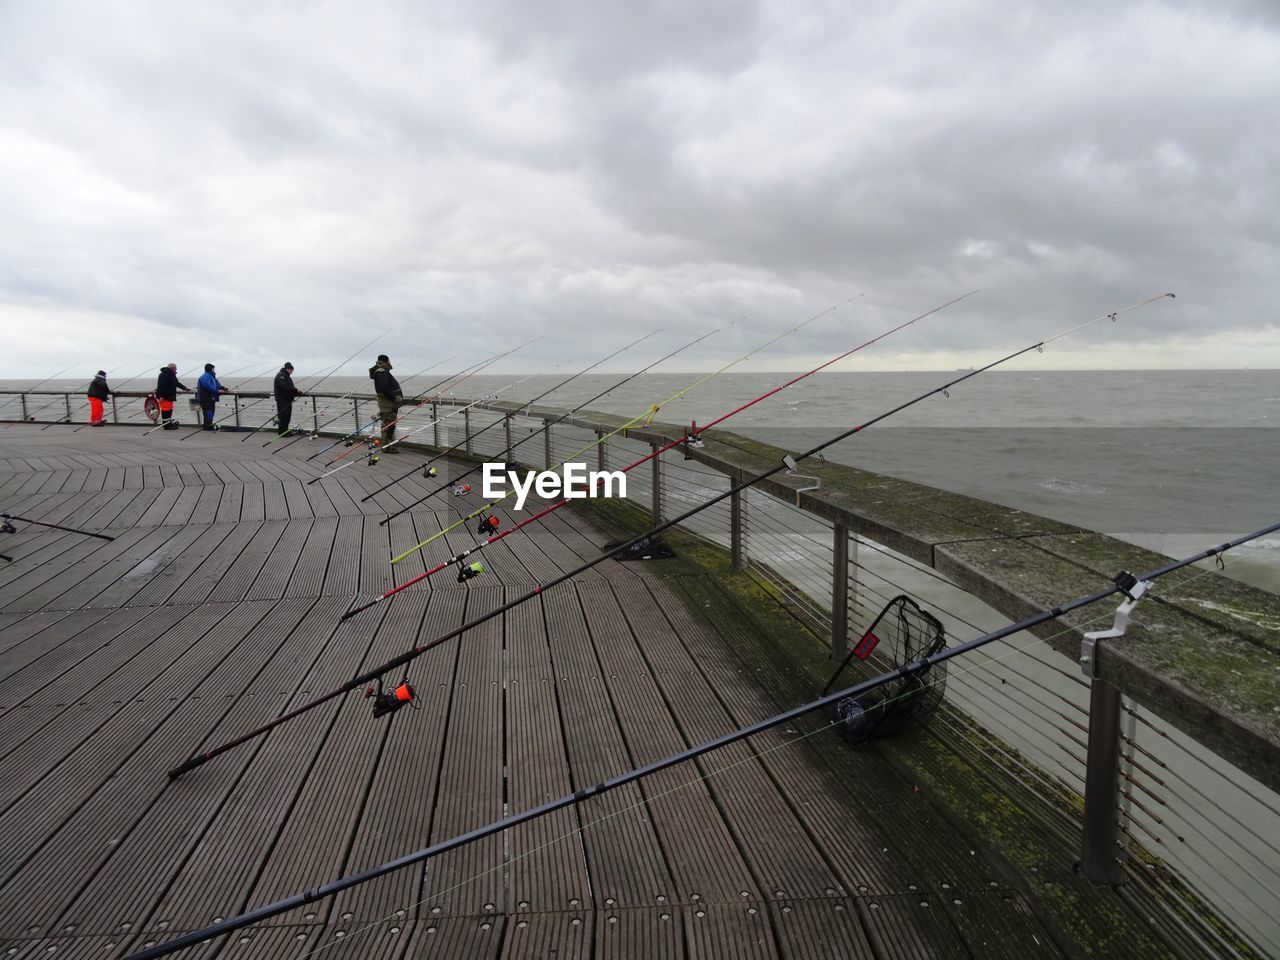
x=247, y=180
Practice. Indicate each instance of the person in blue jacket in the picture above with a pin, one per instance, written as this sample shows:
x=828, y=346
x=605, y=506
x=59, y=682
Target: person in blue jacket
x=208, y=390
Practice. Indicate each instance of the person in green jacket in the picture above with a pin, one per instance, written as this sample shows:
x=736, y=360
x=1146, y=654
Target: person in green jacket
x=390, y=399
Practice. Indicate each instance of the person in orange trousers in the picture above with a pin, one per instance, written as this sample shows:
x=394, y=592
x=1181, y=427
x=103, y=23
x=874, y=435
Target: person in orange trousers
x=98, y=393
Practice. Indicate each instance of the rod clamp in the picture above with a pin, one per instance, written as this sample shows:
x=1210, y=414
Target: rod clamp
x=790, y=463
x=1134, y=590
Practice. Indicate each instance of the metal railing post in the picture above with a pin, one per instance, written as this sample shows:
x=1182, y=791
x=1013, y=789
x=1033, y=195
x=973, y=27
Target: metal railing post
x=67, y=398
x=466, y=428
x=235, y=403
x=315, y=415
x=507, y=426
x=115, y=414
x=435, y=426
x=1099, y=849
x=657, y=484
x=546, y=444
x=839, y=591
x=600, y=451
x=23, y=397
x=355, y=414
x=737, y=545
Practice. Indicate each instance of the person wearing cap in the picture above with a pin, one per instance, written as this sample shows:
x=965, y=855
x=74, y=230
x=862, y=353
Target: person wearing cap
x=390, y=397
x=208, y=390
x=167, y=387
x=285, y=393
x=98, y=392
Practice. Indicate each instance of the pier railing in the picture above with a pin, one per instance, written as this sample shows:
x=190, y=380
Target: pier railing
x=1161, y=761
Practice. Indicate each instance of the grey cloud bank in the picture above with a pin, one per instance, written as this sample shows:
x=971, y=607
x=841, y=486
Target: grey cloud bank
x=241, y=180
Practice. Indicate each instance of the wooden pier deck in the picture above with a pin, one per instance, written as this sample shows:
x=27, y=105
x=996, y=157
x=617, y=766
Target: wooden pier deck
x=216, y=608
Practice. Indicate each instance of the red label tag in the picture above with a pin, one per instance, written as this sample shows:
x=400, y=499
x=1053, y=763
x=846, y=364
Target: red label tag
x=866, y=645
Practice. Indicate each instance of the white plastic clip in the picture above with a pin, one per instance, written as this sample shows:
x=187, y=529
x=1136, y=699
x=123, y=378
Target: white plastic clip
x=790, y=463
x=1134, y=590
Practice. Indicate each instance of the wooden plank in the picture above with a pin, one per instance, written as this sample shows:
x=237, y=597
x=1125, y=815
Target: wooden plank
x=819, y=929
x=235, y=581
x=742, y=931
x=784, y=860
x=700, y=848
x=561, y=935
x=654, y=933
x=278, y=567
x=398, y=810
x=469, y=880
x=547, y=870
x=627, y=863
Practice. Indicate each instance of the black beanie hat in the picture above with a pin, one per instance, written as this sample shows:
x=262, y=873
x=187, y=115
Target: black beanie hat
x=383, y=358
x=102, y=373
x=287, y=366
x=208, y=368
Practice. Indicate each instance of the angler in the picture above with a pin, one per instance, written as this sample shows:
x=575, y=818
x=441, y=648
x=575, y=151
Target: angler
x=423, y=402
x=315, y=430
x=313, y=386
x=164, y=380
x=98, y=393
x=466, y=441
x=1123, y=583
x=428, y=471
x=71, y=414
x=167, y=388
x=574, y=482
x=285, y=393
x=208, y=391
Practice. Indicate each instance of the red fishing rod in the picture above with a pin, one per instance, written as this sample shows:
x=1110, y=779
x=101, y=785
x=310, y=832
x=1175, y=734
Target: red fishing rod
x=690, y=437
x=551, y=423
x=466, y=441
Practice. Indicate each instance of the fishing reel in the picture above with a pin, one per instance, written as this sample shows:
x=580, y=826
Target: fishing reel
x=488, y=524
x=374, y=452
x=470, y=571
x=460, y=489
x=7, y=526
x=389, y=701
x=429, y=473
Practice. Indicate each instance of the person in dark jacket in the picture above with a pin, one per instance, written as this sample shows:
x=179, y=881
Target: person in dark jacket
x=390, y=398
x=208, y=390
x=167, y=387
x=98, y=392
x=285, y=393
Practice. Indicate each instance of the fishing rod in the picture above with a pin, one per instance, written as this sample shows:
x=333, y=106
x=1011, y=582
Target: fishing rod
x=315, y=431
x=489, y=525
x=551, y=423
x=465, y=441
x=788, y=464
x=425, y=400
x=313, y=386
x=1131, y=586
x=188, y=373
x=113, y=393
x=374, y=448
x=41, y=384
x=8, y=527
x=67, y=418
x=442, y=383
x=621, y=428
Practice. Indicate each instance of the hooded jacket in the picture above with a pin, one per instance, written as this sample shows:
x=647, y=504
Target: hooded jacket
x=208, y=389
x=284, y=390
x=99, y=389
x=384, y=384
x=168, y=385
